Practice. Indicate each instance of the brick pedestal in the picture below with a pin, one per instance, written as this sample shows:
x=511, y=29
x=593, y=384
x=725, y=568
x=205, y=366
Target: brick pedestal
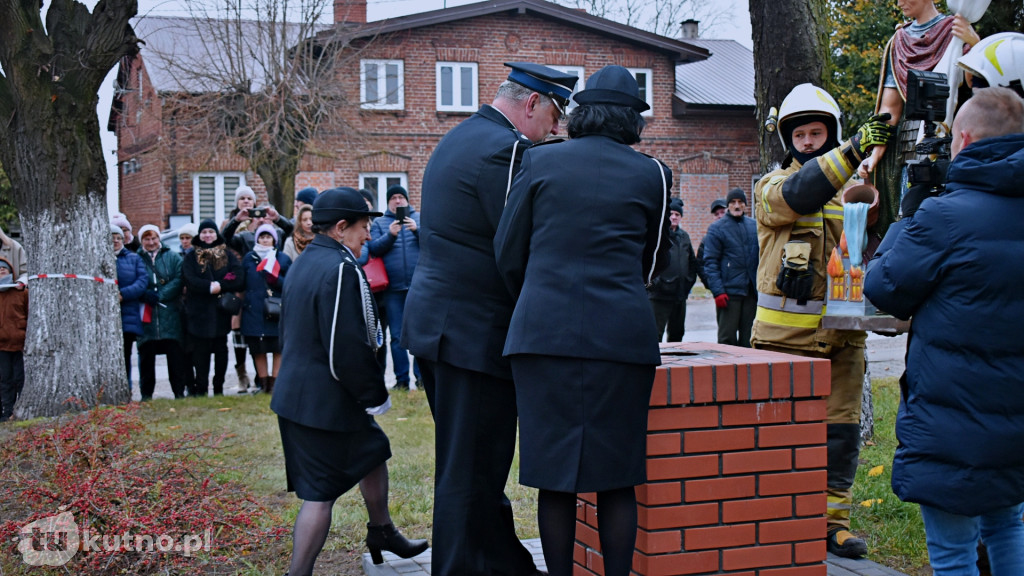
x=736, y=460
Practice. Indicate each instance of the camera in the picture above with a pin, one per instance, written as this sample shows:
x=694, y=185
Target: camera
x=927, y=93
x=257, y=212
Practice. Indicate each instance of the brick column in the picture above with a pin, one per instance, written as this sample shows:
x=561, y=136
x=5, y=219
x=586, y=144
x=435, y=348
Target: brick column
x=736, y=460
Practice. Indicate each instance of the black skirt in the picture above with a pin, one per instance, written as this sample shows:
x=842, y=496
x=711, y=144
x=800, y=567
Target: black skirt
x=582, y=422
x=321, y=465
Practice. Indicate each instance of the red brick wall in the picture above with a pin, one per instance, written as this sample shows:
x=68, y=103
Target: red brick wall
x=736, y=462
x=402, y=140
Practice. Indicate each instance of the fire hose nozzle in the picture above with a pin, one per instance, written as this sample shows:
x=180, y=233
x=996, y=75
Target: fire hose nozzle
x=772, y=121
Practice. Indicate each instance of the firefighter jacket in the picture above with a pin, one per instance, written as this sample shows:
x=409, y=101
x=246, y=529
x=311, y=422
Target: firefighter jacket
x=800, y=202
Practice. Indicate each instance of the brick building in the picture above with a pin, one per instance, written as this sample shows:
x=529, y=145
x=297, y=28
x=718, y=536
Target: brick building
x=417, y=76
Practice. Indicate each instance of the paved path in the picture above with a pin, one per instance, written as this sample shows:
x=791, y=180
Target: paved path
x=420, y=565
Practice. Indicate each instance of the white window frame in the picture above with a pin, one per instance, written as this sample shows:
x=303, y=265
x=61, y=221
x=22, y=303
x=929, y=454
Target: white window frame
x=457, y=87
x=578, y=71
x=647, y=88
x=382, y=188
x=382, y=85
x=221, y=196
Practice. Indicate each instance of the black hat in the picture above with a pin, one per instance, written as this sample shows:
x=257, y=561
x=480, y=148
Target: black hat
x=612, y=85
x=339, y=204
x=735, y=194
x=718, y=203
x=306, y=195
x=547, y=81
x=369, y=196
x=676, y=205
x=396, y=189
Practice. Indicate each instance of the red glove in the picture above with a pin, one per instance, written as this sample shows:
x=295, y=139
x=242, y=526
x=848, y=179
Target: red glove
x=721, y=301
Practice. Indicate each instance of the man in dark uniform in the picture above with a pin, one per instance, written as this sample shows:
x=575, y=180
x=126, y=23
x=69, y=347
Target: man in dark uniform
x=457, y=316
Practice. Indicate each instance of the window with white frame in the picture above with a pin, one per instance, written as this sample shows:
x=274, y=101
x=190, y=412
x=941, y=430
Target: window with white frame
x=576, y=71
x=457, y=87
x=381, y=85
x=379, y=182
x=644, y=77
x=213, y=194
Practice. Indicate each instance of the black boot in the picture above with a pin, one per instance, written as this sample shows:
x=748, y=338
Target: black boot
x=268, y=384
x=387, y=537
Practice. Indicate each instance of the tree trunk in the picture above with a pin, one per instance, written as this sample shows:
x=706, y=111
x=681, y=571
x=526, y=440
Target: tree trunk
x=790, y=48
x=52, y=153
x=279, y=178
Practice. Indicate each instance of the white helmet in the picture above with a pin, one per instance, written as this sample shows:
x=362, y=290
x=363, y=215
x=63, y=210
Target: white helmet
x=807, y=100
x=998, y=59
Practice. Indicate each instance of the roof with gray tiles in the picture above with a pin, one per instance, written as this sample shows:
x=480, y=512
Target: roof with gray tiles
x=726, y=78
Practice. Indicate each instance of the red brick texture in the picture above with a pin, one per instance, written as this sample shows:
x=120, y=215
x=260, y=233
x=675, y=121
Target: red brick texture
x=735, y=468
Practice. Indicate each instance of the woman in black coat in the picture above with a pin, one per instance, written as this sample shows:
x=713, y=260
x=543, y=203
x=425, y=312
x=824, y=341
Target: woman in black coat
x=330, y=385
x=585, y=228
x=212, y=272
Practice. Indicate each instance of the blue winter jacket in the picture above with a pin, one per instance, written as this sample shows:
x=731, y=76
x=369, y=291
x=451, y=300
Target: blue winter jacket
x=730, y=256
x=400, y=253
x=956, y=267
x=132, y=280
x=256, y=288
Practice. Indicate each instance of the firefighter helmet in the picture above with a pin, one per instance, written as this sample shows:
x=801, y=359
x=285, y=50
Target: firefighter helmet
x=808, y=100
x=998, y=60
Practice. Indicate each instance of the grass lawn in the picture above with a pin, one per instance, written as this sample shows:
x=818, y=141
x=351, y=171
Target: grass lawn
x=249, y=454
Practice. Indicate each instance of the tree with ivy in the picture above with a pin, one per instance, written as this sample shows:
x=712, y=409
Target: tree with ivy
x=51, y=151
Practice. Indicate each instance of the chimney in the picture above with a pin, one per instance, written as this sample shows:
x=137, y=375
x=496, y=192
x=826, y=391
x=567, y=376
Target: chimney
x=690, y=28
x=350, y=11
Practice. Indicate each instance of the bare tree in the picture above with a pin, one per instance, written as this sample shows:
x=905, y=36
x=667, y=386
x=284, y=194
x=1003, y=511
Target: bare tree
x=51, y=151
x=256, y=77
x=790, y=48
x=658, y=16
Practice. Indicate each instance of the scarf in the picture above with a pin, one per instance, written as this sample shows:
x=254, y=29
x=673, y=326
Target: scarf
x=919, y=53
x=301, y=240
x=213, y=256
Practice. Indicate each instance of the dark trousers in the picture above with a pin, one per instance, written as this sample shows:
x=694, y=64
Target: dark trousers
x=129, y=339
x=475, y=428
x=12, y=380
x=175, y=366
x=736, y=320
x=201, y=350
x=673, y=314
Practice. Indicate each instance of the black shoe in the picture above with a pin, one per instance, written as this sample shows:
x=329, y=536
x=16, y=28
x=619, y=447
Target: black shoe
x=844, y=544
x=401, y=386
x=387, y=537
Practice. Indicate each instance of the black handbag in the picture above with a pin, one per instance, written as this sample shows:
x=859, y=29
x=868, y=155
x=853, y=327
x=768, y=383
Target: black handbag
x=272, y=307
x=229, y=303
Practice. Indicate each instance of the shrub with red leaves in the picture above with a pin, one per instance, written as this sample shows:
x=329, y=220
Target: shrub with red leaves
x=98, y=466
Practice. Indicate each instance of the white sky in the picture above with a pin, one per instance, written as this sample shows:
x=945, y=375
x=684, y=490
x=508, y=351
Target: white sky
x=735, y=28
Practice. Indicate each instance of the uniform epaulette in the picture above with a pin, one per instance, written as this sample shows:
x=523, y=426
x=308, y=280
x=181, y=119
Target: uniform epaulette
x=549, y=141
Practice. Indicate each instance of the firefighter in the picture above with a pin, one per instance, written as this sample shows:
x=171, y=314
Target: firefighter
x=799, y=222
x=998, y=60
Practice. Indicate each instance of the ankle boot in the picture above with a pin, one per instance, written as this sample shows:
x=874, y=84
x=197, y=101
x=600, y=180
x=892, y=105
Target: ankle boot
x=243, y=377
x=387, y=537
x=258, y=384
x=268, y=384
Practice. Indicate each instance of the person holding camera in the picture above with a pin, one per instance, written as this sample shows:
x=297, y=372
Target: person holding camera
x=395, y=238
x=799, y=222
x=243, y=238
x=951, y=263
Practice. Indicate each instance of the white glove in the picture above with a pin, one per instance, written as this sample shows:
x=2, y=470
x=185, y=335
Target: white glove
x=378, y=410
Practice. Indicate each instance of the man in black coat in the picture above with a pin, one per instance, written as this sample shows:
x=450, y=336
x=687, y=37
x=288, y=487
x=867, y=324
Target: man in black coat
x=669, y=291
x=457, y=316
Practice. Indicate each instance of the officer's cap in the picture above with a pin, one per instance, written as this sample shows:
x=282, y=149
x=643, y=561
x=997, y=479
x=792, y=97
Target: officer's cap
x=342, y=203
x=541, y=79
x=612, y=85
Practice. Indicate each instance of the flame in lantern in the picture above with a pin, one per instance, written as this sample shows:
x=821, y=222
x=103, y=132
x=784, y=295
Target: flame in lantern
x=842, y=243
x=856, y=272
x=835, y=263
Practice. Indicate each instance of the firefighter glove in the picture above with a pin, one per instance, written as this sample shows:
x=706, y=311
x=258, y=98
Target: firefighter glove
x=796, y=275
x=874, y=132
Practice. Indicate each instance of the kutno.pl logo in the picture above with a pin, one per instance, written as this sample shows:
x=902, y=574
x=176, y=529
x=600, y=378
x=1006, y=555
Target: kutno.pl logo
x=54, y=541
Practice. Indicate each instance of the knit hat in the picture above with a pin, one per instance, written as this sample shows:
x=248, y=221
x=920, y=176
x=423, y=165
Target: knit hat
x=266, y=229
x=369, y=196
x=244, y=191
x=396, y=189
x=718, y=203
x=306, y=195
x=735, y=194
x=121, y=221
x=148, y=228
x=203, y=226
x=676, y=205
x=189, y=229
x=115, y=229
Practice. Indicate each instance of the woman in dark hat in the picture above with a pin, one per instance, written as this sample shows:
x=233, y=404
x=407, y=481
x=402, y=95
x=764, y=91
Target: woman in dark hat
x=585, y=229
x=331, y=385
x=211, y=272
